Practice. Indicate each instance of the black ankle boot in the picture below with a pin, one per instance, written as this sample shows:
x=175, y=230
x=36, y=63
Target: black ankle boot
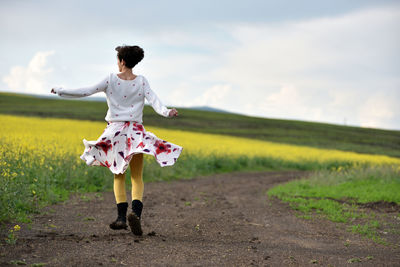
x=120, y=222
x=134, y=217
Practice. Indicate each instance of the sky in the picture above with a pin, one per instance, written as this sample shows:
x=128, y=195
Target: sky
x=334, y=61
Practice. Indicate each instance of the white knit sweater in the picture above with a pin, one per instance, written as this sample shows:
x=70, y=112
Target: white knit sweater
x=125, y=98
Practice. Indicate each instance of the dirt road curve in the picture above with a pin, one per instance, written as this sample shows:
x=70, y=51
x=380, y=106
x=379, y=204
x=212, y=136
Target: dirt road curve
x=221, y=220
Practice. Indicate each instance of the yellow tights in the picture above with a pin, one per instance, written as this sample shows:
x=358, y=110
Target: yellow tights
x=136, y=166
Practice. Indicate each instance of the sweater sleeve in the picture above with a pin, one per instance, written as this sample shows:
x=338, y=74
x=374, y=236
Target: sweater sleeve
x=84, y=91
x=153, y=99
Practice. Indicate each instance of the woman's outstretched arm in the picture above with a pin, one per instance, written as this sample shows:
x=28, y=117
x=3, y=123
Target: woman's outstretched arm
x=82, y=92
x=155, y=102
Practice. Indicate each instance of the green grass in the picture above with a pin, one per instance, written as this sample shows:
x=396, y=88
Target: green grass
x=323, y=135
x=335, y=195
x=362, y=185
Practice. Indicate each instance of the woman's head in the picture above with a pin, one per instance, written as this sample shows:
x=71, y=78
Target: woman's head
x=130, y=55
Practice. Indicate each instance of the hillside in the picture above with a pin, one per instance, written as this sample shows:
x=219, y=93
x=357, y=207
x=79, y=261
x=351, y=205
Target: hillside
x=348, y=138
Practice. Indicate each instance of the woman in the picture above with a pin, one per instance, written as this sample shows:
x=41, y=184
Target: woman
x=125, y=140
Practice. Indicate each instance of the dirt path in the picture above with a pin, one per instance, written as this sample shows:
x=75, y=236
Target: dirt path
x=229, y=222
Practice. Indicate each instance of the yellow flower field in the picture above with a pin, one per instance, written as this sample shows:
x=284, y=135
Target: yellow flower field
x=44, y=138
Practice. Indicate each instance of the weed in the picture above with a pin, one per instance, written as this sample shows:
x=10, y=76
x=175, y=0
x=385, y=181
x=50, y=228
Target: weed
x=354, y=260
x=18, y=262
x=12, y=235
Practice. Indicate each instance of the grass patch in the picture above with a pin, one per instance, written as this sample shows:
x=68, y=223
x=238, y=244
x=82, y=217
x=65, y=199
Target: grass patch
x=335, y=195
x=369, y=229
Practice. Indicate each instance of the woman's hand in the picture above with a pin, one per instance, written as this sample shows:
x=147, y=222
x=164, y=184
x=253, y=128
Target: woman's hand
x=173, y=113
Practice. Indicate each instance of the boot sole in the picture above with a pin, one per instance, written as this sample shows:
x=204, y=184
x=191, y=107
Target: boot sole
x=134, y=223
x=120, y=226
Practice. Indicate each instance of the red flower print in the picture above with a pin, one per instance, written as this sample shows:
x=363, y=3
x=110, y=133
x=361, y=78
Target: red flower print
x=140, y=145
x=161, y=147
x=128, y=143
x=137, y=127
x=126, y=124
x=108, y=165
x=105, y=146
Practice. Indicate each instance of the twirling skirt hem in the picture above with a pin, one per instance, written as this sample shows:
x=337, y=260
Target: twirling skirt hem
x=121, y=140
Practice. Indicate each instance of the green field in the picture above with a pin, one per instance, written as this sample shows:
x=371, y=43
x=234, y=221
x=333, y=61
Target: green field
x=361, y=140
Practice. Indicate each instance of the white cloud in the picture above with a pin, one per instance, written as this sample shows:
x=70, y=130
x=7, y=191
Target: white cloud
x=378, y=111
x=30, y=79
x=214, y=96
x=288, y=102
x=321, y=69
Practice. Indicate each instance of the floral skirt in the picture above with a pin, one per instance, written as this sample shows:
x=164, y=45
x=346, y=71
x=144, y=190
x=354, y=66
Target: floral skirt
x=121, y=140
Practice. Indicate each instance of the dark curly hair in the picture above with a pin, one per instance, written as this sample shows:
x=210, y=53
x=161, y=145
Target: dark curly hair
x=132, y=55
